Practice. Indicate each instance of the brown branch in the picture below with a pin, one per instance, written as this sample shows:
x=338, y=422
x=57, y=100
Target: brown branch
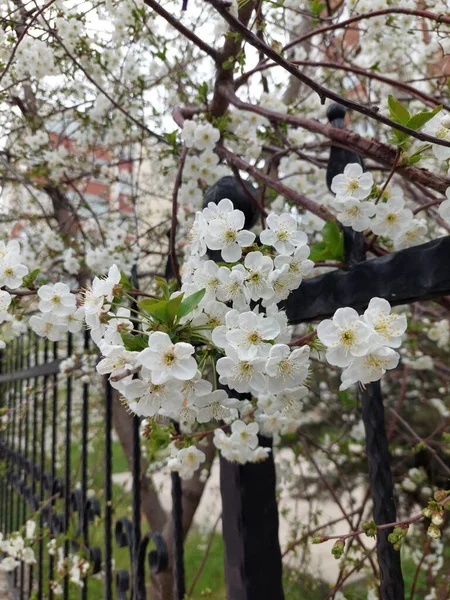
x=369, y=148
x=322, y=91
x=299, y=199
x=227, y=58
x=376, y=13
x=176, y=24
x=173, y=226
x=426, y=98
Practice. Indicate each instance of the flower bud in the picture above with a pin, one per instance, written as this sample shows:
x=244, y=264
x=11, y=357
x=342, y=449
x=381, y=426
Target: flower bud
x=437, y=518
x=434, y=531
x=338, y=549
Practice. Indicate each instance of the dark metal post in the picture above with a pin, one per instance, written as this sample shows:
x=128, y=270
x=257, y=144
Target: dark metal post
x=253, y=565
x=380, y=476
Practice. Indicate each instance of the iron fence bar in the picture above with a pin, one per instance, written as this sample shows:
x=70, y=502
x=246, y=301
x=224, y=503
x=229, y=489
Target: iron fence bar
x=178, y=537
x=377, y=448
x=13, y=442
x=137, y=594
x=403, y=277
x=2, y=457
x=21, y=505
x=382, y=489
x=34, y=445
x=49, y=368
x=253, y=565
x=51, y=563
x=67, y=466
x=43, y=403
x=108, y=491
x=84, y=465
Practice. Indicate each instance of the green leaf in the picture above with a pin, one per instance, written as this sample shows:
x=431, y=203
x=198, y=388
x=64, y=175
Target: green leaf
x=162, y=283
x=147, y=302
x=399, y=113
x=419, y=120
x=319, y=252
x=332, y=246
x=125, y=282
x=134, y=343
x=157, y=310
x=29, y=279
x=332, y=235
x=173, y=305
x=190, y=303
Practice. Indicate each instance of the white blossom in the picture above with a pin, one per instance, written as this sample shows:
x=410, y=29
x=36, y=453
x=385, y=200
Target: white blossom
x=282, y=234
x=353, y=183
x=286, y=368
x=356, y=214
x=166, y=359
x=345, y=335
x=57, y=299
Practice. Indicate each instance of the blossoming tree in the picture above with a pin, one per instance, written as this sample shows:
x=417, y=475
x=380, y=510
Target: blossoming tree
x=189, y=95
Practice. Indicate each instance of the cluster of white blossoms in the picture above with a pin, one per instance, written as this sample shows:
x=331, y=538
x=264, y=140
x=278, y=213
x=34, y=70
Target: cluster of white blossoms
x=440, y=333
x=363, y=345
x=58, y=312
x=388, y=218
x=202, y=164
x=221, y=335
x=17, y=548
x=12, y=271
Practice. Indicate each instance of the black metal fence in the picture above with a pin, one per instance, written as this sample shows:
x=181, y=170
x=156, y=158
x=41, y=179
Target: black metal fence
x=45, y=472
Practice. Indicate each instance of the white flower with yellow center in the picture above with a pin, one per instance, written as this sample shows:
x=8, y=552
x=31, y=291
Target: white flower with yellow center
x=244, y=435
x=288, y=401
x=371, y=367
x=206, y=136
x=387, y=327
x=186, y=461
x=299, y=264
x=283, y=234
x=196, y=235
x=391, y=219
x=11, y=271
x=167, y=360
x=11, y=247
x=252, y=333
x=439, y=127
x=258, y=269
x=47, y=326
x=57, y=299
x=116, y=360
x=146, y=398
x=207, y=277
x=286, y=369
x=214, y=407
x=444, y=207
x=5, y=301
x=412, y=236
x=227, y=235
x=345, y=335
x=356, y=214
x=352, y=184
x=241, y=375
x=231, y=288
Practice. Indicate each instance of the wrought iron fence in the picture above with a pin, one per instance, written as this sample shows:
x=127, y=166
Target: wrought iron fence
x=45, y=471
